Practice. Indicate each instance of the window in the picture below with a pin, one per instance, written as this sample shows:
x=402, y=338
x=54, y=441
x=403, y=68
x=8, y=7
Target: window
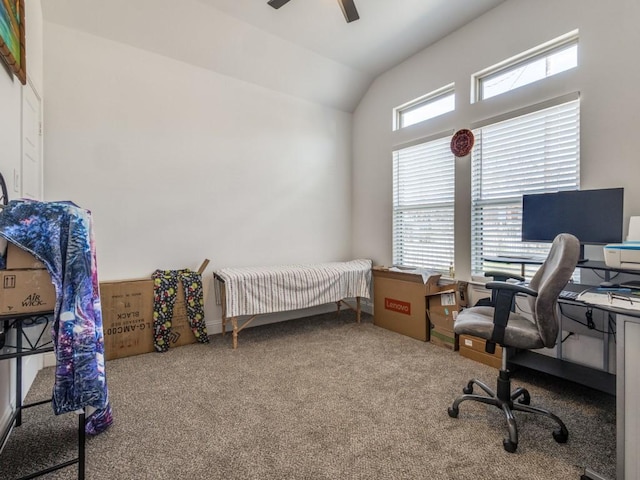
x=536, y=152
x=545, y=61
x=423, y=205
x=431, y=105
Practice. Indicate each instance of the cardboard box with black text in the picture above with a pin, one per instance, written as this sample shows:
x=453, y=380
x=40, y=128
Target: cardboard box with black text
x=26, y=291
x=127, y=314
x=400, y=301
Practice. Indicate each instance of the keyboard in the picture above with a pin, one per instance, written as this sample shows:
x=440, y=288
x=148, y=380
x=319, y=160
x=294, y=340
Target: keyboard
x=568, y=295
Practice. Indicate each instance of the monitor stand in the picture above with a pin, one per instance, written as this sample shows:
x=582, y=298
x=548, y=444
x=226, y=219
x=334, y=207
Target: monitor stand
x=582, y=258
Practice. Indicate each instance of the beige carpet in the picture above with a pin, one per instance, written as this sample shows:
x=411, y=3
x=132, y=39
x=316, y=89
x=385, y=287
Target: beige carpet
x=314, y=398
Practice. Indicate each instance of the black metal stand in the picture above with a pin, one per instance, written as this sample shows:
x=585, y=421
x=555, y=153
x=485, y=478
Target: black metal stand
x=20, y=351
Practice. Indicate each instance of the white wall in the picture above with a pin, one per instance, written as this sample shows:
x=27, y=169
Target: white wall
x=179, y=163
x=607, y=79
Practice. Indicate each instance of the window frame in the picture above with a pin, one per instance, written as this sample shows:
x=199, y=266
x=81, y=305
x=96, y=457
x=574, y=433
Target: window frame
x=541, y=51
x=424, y=100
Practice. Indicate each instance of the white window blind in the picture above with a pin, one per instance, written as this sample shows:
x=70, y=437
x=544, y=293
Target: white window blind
x=534, y=153
x=423, y=205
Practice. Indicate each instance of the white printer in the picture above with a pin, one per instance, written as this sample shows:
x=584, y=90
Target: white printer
x=625, y=255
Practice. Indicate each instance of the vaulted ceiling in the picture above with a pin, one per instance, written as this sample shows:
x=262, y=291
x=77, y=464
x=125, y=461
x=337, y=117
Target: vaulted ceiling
x=304, y=49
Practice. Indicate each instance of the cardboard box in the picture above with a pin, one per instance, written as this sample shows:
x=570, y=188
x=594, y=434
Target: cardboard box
x=26, y=291
x=18, y=258
x=445, y=302
x=400, y=301
x=127, y=315
x=473, y=348
x=444, y=337
x=443, y=306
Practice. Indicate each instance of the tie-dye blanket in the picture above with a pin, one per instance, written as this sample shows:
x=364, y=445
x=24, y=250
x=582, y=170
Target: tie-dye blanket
x=60, y=235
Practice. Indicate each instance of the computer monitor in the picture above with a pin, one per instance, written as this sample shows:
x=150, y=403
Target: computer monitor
x=593, y=216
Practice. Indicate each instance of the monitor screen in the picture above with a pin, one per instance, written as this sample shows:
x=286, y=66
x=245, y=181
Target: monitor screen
x=593, y=216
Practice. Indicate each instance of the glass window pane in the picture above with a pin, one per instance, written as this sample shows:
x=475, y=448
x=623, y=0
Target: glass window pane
x=425, y=111
x=525, y=72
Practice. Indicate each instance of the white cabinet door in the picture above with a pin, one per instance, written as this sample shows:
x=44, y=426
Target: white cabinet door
x=31, y=144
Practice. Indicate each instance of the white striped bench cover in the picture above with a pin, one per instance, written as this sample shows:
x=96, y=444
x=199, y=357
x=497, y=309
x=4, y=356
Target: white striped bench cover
x=259, y=290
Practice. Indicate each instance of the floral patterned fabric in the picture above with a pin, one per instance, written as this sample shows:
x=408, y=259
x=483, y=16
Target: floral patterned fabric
x=165, y=289
x=60, y=235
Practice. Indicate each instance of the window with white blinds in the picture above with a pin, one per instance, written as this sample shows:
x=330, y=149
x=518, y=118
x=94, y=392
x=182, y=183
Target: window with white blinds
x=534, y=153
x=423, y=205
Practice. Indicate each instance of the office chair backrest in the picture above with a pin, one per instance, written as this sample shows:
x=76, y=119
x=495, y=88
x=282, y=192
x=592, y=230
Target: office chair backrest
x=549, y=281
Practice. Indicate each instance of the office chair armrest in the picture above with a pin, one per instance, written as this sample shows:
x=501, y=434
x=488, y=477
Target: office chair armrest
x=511, y=287
x=502, y=308
x=503, y=276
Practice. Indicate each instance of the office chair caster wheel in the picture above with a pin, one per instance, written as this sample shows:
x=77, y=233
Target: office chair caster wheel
x=468, y=389
x=453, y=412
x=526, y=399
x=509, y=446
x=560, y=436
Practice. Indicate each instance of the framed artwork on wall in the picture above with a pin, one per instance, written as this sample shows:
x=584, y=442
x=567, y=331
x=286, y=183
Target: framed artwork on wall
x=12, y=37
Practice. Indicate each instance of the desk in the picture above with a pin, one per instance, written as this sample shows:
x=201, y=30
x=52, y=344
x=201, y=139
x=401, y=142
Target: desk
x=598, y=379
x=19, y=350
x=627, y=394
x=625, y=384
x=588, y=264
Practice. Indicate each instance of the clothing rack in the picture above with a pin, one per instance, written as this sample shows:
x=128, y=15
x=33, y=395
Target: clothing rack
x=33, y=348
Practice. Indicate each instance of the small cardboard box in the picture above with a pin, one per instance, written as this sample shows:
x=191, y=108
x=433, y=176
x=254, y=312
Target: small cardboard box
x=474, y=348
x=444, y=303
x=400, y=301
x=26, y=291
x=18, y=258
x=444, y=337
x=127, y=315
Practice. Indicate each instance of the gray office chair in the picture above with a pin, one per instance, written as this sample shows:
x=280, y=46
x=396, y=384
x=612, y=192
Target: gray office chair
x=499, y=325
x=498, y=277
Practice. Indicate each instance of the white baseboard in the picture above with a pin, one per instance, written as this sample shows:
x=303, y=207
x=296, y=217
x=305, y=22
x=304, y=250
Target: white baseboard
x=49, y=359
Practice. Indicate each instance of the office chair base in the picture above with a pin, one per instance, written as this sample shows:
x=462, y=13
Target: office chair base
x=504, y=400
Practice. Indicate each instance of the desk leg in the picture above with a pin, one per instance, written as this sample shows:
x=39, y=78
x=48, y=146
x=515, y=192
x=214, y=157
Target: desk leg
x=19, y=373
x=81, y=445
x=224, y=325
x=234, y=321
x=358, y=309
